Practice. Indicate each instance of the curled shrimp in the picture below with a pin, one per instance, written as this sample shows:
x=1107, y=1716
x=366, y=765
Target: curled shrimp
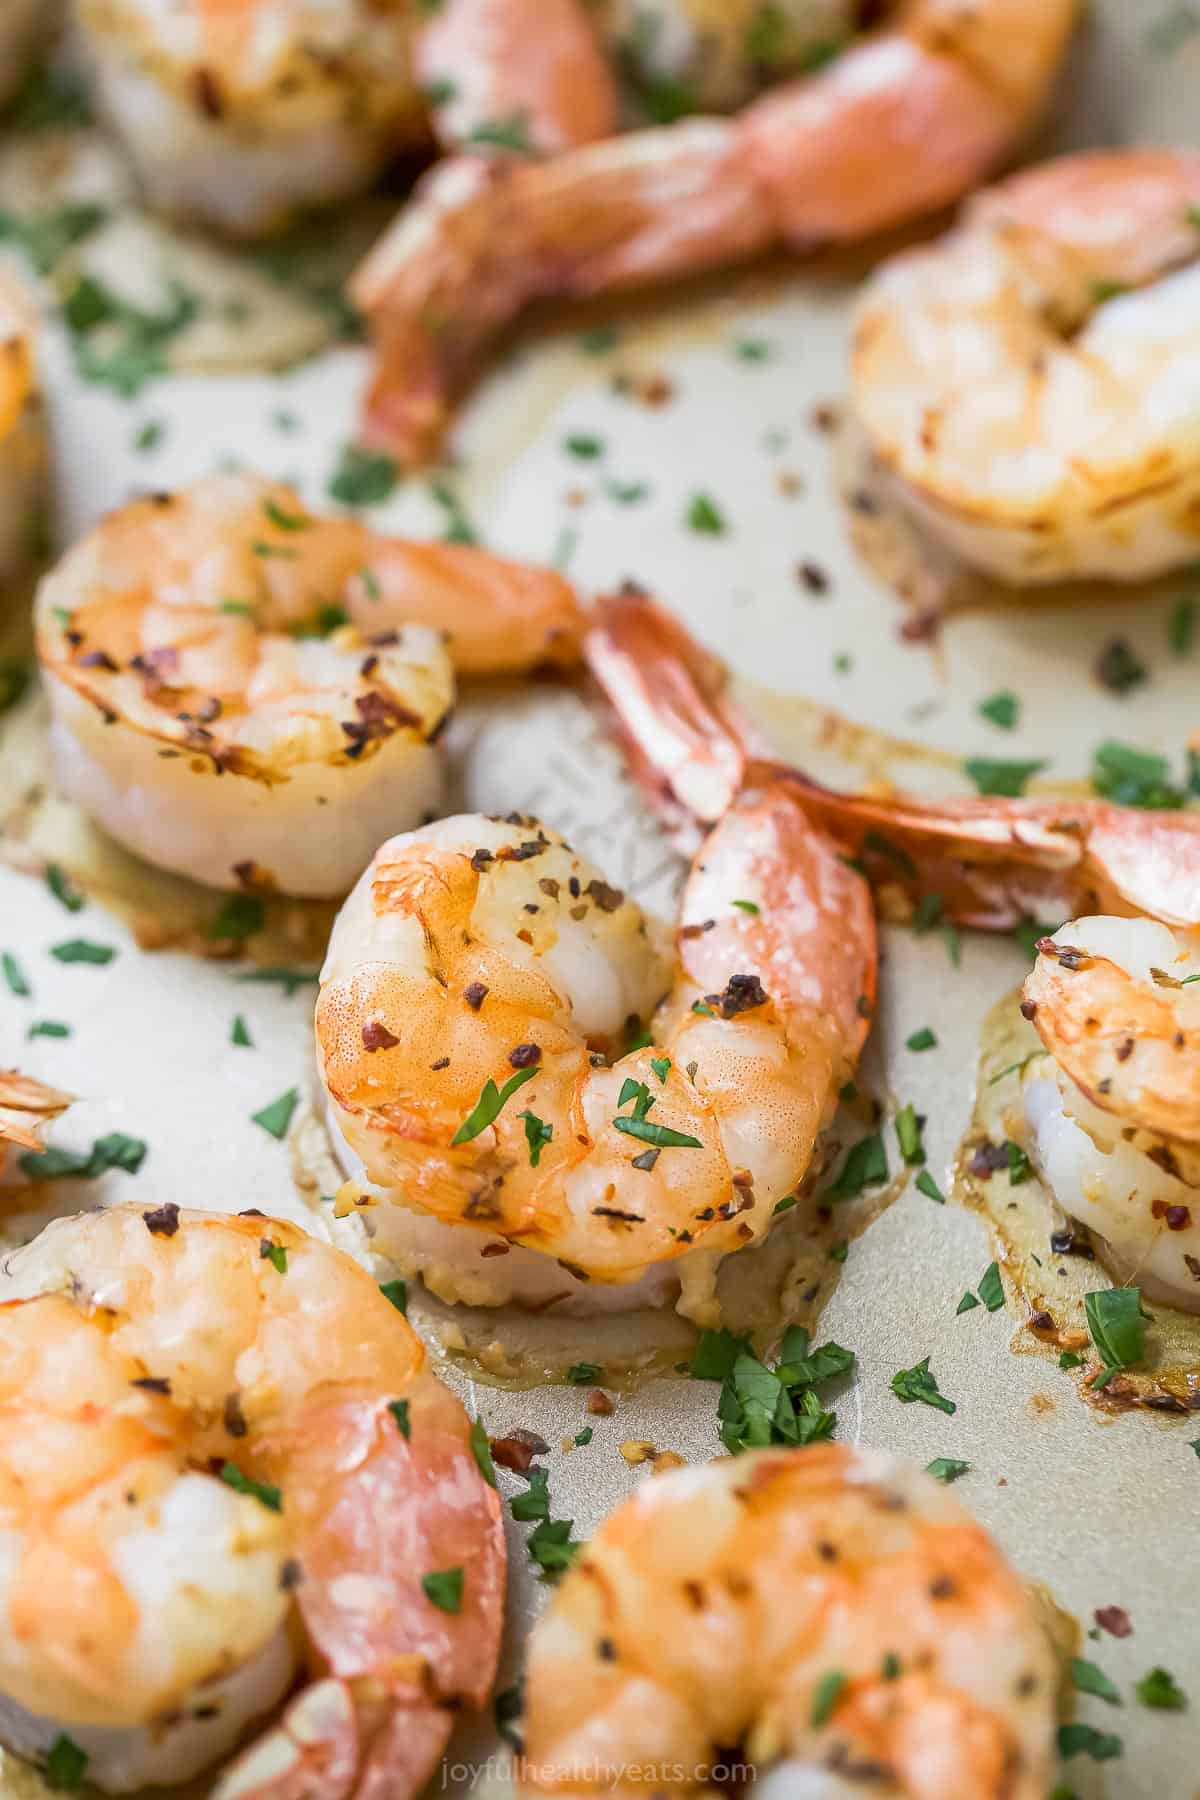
x=27, y=1106
x=993, y=863
x=1113, y=1112
x=902, y=123
x=480, y=985
x=1029, y=386
x=249, y=694
x=23, y=445
x=839, y=1617
x=226, y=1465
x=240, y=113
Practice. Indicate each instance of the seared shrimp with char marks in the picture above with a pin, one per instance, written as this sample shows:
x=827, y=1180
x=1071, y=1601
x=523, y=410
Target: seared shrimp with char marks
x=906, y=120
x=839, y=1618
x=1113, y=1110
x=225, y=1466
x=480, y=985
x=249, y=694
x=1030, y=386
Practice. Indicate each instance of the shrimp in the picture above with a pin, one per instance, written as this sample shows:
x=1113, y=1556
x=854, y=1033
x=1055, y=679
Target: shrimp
x=479, y=959
x=24, y=454
x=1113, y=1110
x=902, y=123
x=237, y=114
x=1030, y=386
x=26, y=1107
x=992, y=864
x=837, y=1616
x=24, y=28
x=226, y=1466
x=249, y=694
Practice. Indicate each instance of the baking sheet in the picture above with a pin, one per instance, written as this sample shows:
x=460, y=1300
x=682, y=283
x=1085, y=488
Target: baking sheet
x=1101, y=1510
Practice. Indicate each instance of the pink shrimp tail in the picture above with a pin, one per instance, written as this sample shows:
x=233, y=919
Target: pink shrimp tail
x=689, y=747
x=323, y=1745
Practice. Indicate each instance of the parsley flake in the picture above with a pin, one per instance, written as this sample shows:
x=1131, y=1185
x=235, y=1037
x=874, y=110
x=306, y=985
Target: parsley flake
x=919, y=1384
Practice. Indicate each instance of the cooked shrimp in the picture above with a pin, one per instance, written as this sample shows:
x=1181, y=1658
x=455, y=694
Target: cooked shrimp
x=992, y=863
x=480, y=985
x=839, y=1617
x=24, y=456
x=240, y=113
x=225, y=1464
x=1114, y=1110
x=901, y=124
x=1031, y=384
x=527, y=75
x=249, y=694
x=25, y=25
x=26, y=1108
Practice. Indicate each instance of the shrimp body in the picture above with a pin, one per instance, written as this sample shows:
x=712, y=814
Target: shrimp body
x=26, y=1107
x=1114, y=1110
x=841, y=1617
x=248, y=694
x=1030, y=386
x=152, y=1608
x=901, y=123
x=23, y=447
x=481, y=956
x=240, y=113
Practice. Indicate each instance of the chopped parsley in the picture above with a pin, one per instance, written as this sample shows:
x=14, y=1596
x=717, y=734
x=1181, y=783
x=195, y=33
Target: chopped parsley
x=399, y=1410
x=510, y=133
x=241, y=916
x=15, y=978
x=924, y=1039
x=63, y=889
x=758, y=1405
x=82, y=950
x=1118, y=669
x=459, y=529
x=115, y=1151
x=275, y=1254
x=537, y=1135
x=1159, y=1689
x=991, y=1288
x=66, y=1765
x=444, y=1589
x=1092, y=1680
x=45, y=237
x=1117, y=1329
x=946, y=1469
x=534, y=1503
x=968, y=1303
x=826, y=1695
x=704, y=516
x=262, y=1491
x=865, y=1166
x=1006, y=780
x=363, y=477
x=908, y=1135
x=1002, y=709
x=919, y=1384
x=552, y=1547
x=583, y=446
x=481, y=1450
x=240, y=1033
x=48, y=1028
x=490, y=1104
x=582, y=1373
x=1134, y=777
x=1181, y=627
x=1075, y=1739
x=276, y=1117
x=926, y=1185
x=397, y=1293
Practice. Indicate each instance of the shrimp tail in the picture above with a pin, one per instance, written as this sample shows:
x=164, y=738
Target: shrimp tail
x=990, y=864
x=688, y=746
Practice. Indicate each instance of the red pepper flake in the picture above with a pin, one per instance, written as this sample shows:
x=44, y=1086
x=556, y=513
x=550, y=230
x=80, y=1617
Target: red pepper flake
x=475, y=993
x=812, y=576
x=599, y=1403
x=376, y=1036
x=525, y=1055
x=1115, y=1620
x=518, y=1449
